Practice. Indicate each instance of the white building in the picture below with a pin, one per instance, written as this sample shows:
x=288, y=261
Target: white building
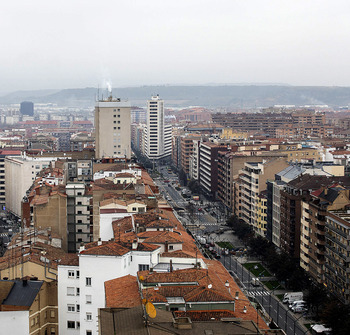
x=81, y=289
x=20, y=173
x=158, y=134
x=112, y=124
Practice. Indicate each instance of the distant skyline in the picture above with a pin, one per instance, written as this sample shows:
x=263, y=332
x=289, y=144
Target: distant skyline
x=76, y=44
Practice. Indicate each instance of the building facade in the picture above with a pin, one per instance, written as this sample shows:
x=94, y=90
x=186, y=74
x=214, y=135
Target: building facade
x=158, y=134
x=112, y=124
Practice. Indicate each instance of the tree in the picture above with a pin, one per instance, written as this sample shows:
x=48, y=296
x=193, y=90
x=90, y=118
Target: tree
x=194, y=186
x=337, y=316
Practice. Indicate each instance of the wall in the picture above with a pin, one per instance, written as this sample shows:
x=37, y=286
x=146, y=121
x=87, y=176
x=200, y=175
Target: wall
x=18, y=321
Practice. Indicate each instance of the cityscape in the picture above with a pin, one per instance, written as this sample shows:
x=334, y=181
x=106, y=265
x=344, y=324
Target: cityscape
x=151, y=218
x=175, y=167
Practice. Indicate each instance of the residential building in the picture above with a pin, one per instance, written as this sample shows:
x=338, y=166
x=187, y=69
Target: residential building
x=337, y=261
x=254, y=176
x=78, y=215
x=112, y=124
x=292, y=195
x=3, y=154
x=28, y=307
x=158, y=133
x=208, y=167
x=22, y=169
x=27, y=108
x=312, y=237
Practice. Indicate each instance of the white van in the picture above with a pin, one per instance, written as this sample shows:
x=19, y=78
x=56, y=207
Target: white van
x=292, y=296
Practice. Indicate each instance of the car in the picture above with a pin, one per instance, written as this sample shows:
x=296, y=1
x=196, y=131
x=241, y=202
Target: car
x=199, y=209
x=299, y=309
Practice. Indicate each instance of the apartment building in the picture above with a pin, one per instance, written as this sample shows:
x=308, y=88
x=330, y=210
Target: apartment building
x=312, y=237
x=337, y=260
x=292, y=195
x=21, y=171
x=208, y=167
x=112, y=124
x=265, y=123
x=78, y=215
x=254, y=176
x=81, y=283
x=28, y=307
x=188, y=144
x=158, y=133
x=3, y=155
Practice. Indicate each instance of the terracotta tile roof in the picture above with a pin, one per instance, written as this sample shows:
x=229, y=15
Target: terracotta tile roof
x=40, y=200
x=161, y=237
x=177, y=254
x=122, y=292
x=32, y=253
x=109, y=248
x=217, y=269
x=160, y=224
x=178, y=276
x=70, y=259
x=213, y=315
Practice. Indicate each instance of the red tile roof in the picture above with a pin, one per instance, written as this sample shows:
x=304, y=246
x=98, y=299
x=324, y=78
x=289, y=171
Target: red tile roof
x=110, y=248
x=122, y=292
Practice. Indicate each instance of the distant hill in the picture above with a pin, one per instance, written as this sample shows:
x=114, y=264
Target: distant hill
x=209, y=96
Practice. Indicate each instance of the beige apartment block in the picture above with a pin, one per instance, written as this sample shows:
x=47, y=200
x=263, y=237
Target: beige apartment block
x=113, y=132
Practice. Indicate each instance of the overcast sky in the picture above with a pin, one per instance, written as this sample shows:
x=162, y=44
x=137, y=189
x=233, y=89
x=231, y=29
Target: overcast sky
x=85, y=43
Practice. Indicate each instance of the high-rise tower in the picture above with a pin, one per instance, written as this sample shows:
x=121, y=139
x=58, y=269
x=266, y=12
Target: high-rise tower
x=112, y=124
x=27, y=108
x=158, y=134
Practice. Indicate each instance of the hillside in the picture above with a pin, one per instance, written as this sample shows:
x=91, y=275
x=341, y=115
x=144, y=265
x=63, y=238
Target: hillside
x=210, y=96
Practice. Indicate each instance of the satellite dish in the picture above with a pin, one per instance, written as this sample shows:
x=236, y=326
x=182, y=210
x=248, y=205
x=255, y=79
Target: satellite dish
x=151, y=310
x=210, y=286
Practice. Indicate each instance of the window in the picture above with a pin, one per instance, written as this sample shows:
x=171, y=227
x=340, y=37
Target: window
x=143, y=267
x=71, y=324
x=52, y=314
x=89, y=332
x=70, y=290
x=88, y=281
x=71, y=308
x=80, y=212
x=78, y=308
x=171, y=247
x=78, y=324
x=70, y=273
x=52, y=331
x=88, y=317
x=78, y=291
x=88, y=299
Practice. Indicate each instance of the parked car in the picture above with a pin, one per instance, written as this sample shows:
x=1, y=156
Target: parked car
x=299, y=309
x=297, y=303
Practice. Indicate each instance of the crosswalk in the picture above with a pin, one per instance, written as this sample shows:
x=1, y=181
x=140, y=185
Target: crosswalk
x=258, y=293
x=3, y=234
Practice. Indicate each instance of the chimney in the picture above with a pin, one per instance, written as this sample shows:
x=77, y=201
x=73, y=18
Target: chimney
x=325, y=191
x=134, y=244
x=99, y=242
x=82, y=247
x=166, y=246
x=171, y=265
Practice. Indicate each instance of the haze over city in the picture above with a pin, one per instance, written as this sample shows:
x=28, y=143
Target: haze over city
x=78, y=43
